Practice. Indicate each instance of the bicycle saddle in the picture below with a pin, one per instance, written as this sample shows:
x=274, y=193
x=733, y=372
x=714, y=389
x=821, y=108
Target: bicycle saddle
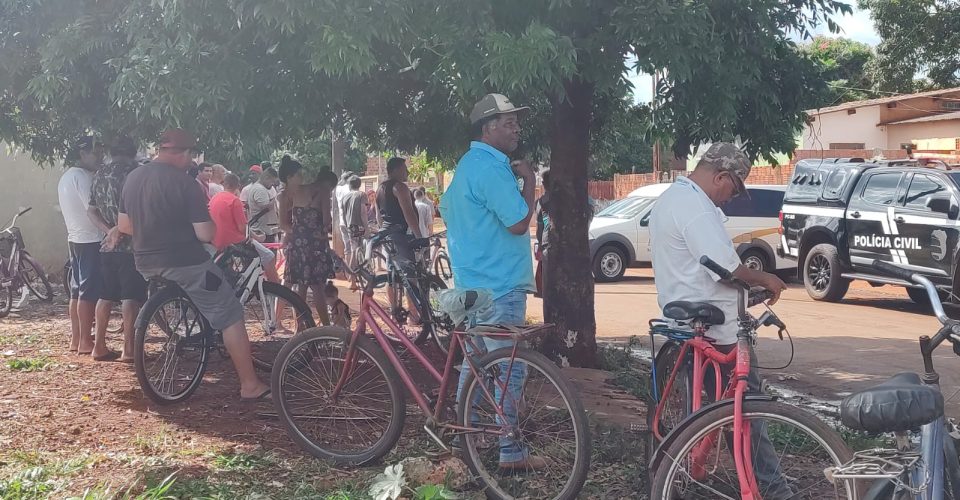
x=901, y=403
x=686, y=311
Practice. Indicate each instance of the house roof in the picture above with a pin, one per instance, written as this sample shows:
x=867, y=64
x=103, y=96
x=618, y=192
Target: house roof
x=882, y=100
x=933, y=118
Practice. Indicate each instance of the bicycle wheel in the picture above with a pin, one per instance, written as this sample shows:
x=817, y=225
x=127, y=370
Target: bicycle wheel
x=6, y=300
x=171, y=346
x=34, y=278
x=699, y=463
x=442, y=268
x=679, y=402
x=551, y=424
x=364, y=422
x=272, y=321
x=115, y=324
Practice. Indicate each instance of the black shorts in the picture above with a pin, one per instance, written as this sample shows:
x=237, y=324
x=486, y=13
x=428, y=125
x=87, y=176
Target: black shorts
x=270, y=238
x=86, y=281
x=121, y=280
x=403, y=253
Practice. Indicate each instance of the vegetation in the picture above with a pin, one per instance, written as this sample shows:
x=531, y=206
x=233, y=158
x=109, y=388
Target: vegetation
x=29, y=364
x=845, y=65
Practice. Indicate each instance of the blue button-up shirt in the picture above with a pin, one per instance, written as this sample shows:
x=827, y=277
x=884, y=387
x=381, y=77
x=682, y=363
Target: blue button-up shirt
x=480, y=205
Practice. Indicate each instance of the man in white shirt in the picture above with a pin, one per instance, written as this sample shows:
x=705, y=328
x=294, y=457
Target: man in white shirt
x=216, y=179
x=424, y=211
x=260, y=201
x=339, y=194
x=687, y=224
x=83, y=240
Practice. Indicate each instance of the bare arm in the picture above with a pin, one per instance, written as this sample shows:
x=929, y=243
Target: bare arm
x=124, y=224
x=94, y=214
x=286, y=215
x=402, y=192
x=205, y=231
x=760, y=278
x=522, y=168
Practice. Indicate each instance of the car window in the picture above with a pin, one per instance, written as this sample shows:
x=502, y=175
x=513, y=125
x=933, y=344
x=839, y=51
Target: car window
x=626, y=208
x=922, y=187
x=805, y=185
x=762, y=203
x=881, y=189
x=833, y=188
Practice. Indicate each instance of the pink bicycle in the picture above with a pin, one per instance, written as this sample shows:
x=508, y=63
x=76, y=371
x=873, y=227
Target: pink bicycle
x=342, y=396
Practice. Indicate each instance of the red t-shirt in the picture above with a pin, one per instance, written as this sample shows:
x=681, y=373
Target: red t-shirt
x=226, y=211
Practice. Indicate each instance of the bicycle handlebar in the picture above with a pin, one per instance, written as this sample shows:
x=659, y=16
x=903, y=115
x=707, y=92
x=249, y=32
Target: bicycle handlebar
x=892, y=270
x=13, y=222
x=708, y=263
x=912, y=277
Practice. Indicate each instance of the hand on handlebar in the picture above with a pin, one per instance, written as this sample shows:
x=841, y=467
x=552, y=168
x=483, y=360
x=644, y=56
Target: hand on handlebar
x=775, y=285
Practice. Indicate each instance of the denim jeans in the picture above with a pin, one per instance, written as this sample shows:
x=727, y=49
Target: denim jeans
x=509, y=309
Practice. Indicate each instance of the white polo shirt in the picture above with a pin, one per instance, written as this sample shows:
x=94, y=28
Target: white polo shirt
x=684, y=226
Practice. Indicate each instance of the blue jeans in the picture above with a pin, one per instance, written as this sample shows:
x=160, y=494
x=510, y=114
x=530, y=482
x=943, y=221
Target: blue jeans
x=510, y=309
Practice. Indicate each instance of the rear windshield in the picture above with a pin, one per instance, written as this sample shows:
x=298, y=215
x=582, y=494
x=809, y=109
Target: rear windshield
x=626, y=208
x=762, y=203
x=806, y=183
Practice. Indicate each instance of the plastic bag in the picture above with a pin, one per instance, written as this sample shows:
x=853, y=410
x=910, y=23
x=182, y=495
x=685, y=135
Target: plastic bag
x=459, y=304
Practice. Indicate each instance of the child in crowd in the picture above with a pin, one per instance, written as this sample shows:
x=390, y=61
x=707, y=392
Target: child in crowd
x=339, y=310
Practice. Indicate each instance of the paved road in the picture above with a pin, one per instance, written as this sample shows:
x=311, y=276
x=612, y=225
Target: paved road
x=840, y=347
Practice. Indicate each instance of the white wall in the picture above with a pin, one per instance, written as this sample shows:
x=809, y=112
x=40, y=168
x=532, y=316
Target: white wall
x=23, y=183
x=840, y=127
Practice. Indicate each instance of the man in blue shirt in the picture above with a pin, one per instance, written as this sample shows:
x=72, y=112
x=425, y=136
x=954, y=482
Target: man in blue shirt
x=488, y=231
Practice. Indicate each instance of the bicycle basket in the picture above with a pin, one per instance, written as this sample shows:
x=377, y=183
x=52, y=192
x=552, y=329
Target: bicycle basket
x=235, y=259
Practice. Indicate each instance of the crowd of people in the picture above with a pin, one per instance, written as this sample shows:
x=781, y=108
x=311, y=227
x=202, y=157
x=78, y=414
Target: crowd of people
x=127, y=223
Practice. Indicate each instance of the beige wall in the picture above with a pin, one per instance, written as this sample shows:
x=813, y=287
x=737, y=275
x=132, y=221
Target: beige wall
x=840, y=127
x=25, y=184
x=906, y=132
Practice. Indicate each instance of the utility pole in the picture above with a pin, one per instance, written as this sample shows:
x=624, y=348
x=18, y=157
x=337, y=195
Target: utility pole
x=656, y=142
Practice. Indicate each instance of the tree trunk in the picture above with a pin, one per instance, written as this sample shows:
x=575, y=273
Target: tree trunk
x=568, y=283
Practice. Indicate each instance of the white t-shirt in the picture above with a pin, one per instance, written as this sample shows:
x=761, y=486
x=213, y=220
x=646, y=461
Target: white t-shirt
x=425, y=215
x=339, y=193
x=73, y=192
x=214, y=188
x=256, y=198
x=686, y=225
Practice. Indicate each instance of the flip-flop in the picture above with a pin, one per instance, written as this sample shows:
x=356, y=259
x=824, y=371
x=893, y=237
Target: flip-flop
x=264, y=396
x=126, y=361
x=109, y=356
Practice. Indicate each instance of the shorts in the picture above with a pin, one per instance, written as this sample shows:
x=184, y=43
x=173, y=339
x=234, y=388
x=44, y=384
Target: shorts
x=121, y=280
x=271, y=238
x=86, y=281
x=403, y=252
x=208, y=289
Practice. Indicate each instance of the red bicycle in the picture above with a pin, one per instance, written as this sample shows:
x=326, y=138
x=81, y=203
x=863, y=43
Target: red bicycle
x=341, y=397
x=745, y=445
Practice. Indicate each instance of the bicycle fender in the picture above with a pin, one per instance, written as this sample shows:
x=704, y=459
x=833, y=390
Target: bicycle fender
x=658, y=454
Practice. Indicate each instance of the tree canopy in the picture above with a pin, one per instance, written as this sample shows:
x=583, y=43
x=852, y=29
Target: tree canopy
x=403, y=74
x=846, y=67
x=918, y=38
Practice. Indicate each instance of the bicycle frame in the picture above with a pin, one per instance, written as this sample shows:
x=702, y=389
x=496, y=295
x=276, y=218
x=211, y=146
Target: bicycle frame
x=371, y=311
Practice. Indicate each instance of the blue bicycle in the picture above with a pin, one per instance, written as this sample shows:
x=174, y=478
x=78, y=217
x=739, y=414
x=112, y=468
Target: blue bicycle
x=924, y=470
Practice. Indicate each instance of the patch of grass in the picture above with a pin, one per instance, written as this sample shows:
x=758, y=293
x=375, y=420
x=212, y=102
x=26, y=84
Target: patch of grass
x=29, y=364
x=617, y=464
x=241, y=461
x=39, y=479
x=859, y=440
x=151, y=444
x=629, y=372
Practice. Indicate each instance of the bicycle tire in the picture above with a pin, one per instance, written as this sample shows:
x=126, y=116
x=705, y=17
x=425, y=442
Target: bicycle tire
x=200, y=342
x=716, y=416
x=442, y=267
x=298, y=353
x=664, y=362
x=6, y=301
x=47, y=292
x=579, y=426
x=265, y=351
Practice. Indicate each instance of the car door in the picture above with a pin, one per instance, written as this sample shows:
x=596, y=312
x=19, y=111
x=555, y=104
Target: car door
x=642, y=244
x=927, y=235
x=868, y=216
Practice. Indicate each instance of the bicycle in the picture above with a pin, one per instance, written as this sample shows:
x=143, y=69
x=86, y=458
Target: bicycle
x=694, y=460
x=420, y=285
x=341, y=397
x=173, y=340
x=19, y=272
x=928, y=469
x=439, y=260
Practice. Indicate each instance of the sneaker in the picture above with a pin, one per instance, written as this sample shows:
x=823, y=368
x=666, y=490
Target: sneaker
x=529, y=464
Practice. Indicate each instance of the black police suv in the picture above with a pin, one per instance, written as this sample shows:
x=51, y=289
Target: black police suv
x=839, y=214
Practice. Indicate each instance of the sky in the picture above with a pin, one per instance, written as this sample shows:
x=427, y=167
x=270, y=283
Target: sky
x=857, y=26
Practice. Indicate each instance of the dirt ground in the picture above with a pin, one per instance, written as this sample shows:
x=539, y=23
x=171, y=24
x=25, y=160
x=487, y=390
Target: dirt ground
x=84, y=426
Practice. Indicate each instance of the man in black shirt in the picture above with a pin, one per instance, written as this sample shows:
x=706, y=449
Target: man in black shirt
x=166, y=213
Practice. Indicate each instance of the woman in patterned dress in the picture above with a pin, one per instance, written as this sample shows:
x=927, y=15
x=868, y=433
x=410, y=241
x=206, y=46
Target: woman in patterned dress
x=306, y=223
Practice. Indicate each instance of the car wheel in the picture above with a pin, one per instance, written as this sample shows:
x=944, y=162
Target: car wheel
x=755, y=259
x=609, y=264
x=822, y=274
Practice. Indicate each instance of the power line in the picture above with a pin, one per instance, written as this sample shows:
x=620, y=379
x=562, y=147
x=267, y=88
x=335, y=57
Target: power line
x=894, y=94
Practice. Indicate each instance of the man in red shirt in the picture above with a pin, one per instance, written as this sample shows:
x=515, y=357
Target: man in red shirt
x=226, y=210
